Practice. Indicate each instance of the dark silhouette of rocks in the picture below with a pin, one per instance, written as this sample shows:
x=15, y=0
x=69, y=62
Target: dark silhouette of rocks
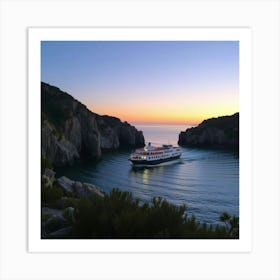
x=70, y=132
x=221, y=132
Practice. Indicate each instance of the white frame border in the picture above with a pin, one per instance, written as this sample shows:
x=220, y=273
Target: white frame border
x=243, y=35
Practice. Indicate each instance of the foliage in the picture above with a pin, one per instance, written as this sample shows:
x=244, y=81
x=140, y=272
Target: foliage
x=70, y=202
x=56, y=105
x=45, y=216
x=50, y=194
x=231, y=224
x=226, y=123
x=119, y=215
x=45, y=163
x=110, y=121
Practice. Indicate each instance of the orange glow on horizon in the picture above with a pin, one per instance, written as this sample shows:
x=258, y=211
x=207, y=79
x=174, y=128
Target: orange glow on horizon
x=193, y=117
x=185, y=109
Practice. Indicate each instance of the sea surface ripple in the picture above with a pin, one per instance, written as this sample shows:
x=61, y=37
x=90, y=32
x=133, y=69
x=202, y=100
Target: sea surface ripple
x=207, y=181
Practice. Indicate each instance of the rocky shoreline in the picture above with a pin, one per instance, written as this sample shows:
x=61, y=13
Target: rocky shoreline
x=76, y=210
x=58, y=212
x=71, y=133
x=219, y=133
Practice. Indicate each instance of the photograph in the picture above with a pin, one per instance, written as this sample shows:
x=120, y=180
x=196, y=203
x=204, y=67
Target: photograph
x=140, y=139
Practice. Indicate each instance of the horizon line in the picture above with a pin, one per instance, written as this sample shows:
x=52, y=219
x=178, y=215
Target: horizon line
x=164, y=122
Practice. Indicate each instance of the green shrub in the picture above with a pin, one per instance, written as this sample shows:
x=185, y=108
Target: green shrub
x=51, y=194
x=119, y=215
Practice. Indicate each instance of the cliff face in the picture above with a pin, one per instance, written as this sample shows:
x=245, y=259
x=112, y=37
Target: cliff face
x=221, y=132
x=69, y=131
x=115, y=134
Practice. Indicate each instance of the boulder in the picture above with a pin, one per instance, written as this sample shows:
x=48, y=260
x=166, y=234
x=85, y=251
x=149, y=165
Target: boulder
x=46, y=182
x=54, y=223
x=86, y=189
x=77, y=188
x=66, y=184
x=48, y=177
x=92, y=189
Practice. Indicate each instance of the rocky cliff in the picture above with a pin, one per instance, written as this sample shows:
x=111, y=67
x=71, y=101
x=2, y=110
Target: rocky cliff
x=71, y=132
x=221, y=132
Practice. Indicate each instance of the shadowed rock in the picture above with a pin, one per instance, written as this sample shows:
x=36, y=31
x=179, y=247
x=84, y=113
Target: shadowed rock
x=66, y=184
x=77, y=188
x=54, y=223
x=70, y=132
x=221, y=132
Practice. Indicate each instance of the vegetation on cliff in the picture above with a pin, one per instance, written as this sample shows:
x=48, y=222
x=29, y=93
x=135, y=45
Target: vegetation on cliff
x=221, y=132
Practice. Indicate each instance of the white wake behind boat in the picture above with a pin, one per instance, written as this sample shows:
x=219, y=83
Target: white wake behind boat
x=150, y=155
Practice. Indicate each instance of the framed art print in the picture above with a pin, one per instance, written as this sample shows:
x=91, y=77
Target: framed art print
x=139, y=139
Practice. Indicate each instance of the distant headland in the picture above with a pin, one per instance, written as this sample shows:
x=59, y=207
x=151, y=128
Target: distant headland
x=70, y=132
x=221, y=133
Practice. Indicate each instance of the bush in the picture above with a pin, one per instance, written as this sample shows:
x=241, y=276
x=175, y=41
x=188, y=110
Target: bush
x=119, y=215
x=51, y=194
x=231, y=224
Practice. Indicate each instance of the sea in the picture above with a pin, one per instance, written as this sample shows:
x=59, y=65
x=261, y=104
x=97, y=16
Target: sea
x=205, y=180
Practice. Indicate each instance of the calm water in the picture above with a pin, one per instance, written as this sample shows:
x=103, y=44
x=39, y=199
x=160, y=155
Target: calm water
x=206, y=180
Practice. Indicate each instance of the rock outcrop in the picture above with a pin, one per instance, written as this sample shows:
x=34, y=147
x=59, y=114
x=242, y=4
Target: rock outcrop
x=48, y=177
x=221, y=132
x=115, y=134
x=57, y=222
x=71, y=132
x=78, y=189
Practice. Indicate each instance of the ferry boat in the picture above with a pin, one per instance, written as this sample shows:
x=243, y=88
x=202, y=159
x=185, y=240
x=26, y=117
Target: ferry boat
x=150, y=155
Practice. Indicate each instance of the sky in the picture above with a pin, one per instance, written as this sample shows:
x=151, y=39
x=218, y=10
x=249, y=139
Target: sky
x=147, y=81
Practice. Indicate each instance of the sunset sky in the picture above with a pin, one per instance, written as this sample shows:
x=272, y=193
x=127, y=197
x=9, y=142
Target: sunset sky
x=147, y=81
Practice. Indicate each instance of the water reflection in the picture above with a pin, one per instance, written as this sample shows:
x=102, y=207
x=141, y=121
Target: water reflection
x=145, y=177
x=207, y=181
